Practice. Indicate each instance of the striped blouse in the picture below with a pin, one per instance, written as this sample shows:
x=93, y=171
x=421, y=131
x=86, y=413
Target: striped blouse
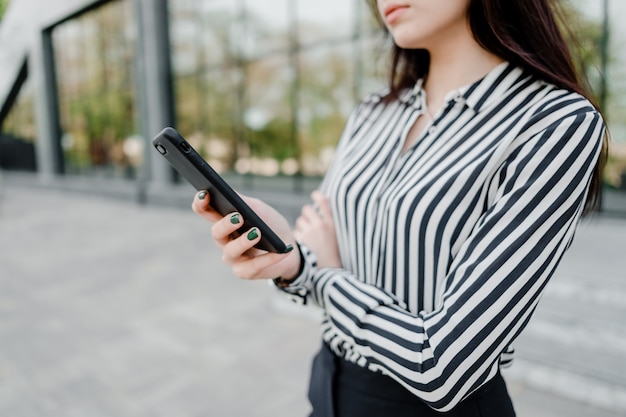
x=447, y=247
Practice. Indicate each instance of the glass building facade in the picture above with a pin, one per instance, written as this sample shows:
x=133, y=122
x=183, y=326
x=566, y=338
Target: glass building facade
x=264, y=88
x=261, y=88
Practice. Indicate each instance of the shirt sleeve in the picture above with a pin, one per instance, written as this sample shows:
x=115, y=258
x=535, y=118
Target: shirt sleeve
x=494, y=283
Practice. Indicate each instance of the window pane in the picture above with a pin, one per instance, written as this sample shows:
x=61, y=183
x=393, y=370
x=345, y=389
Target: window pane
x=270, y=143
x=323, y=20
x=202, y=34
x=93, y=55
x=219, y=133
x=589, y=27
x=266, y=27
x=371, y=64
x=368, y=18
x=326, y=97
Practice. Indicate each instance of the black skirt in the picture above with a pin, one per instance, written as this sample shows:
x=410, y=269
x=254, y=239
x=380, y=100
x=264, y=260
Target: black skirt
x=339, y=388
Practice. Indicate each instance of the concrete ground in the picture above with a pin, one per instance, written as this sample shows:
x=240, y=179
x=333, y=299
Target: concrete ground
x=109, y=308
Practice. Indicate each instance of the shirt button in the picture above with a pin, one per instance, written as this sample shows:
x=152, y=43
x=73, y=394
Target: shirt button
x=432, y=130
x=458, y=97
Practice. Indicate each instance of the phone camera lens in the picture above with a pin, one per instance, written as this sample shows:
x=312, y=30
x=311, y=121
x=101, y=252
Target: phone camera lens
x=160, y=148
x=185, y=147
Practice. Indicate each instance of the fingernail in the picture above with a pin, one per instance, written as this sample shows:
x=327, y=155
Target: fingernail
x=253, y=234
x=289, y=248
x=202, y=195
x=234, y=219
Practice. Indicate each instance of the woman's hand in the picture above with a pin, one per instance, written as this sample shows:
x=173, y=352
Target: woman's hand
x=246, y=261
x=315, y=228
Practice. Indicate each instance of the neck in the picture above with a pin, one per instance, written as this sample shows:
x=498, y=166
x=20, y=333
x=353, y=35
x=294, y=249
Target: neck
x=454, y=64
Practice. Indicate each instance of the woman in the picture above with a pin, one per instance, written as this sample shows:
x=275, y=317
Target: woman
x=451, y=200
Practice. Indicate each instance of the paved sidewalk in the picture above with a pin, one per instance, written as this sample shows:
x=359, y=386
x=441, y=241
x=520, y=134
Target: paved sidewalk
x=112, y=309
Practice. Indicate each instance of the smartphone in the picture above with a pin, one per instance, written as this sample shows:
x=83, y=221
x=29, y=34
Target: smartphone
x=182, y=156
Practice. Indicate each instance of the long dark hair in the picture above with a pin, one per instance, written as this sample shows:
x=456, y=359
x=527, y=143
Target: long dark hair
x=525, y=33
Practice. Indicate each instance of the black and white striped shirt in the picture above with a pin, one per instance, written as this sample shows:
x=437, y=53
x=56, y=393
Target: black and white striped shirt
x=447, y=247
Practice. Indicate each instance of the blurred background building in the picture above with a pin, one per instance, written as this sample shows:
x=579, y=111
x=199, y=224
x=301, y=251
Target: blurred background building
x=261, y=88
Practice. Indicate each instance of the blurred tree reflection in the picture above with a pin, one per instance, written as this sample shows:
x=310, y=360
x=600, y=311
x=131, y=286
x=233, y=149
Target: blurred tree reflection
x=286, y=101
x=94, y=57
x=3, y=7
x=256, y=92
x=590, y=48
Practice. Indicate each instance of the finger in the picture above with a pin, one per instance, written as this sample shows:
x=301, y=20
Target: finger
x=223, y=229
x=200, y=206
x=301, y=226
x=235, y=250
x=301, y=223
x=264, y=266
x=309, y=214
x=323, y=204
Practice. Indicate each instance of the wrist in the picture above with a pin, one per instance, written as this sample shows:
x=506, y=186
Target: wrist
x=294, y=271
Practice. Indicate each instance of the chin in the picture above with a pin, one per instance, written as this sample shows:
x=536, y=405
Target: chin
x=408, y=42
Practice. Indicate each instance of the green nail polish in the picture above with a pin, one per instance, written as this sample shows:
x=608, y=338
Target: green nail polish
x=289, y=248
x=202, y=195
x=234, y=219
x=253, y=234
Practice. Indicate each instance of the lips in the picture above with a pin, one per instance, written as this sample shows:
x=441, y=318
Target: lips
x=392, y=12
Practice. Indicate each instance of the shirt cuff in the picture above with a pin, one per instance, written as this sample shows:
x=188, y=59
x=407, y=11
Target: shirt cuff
x=298, y=288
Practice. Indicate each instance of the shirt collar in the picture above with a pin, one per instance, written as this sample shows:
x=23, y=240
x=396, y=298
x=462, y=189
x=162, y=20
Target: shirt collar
x=478, y=95
x=413, y=96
